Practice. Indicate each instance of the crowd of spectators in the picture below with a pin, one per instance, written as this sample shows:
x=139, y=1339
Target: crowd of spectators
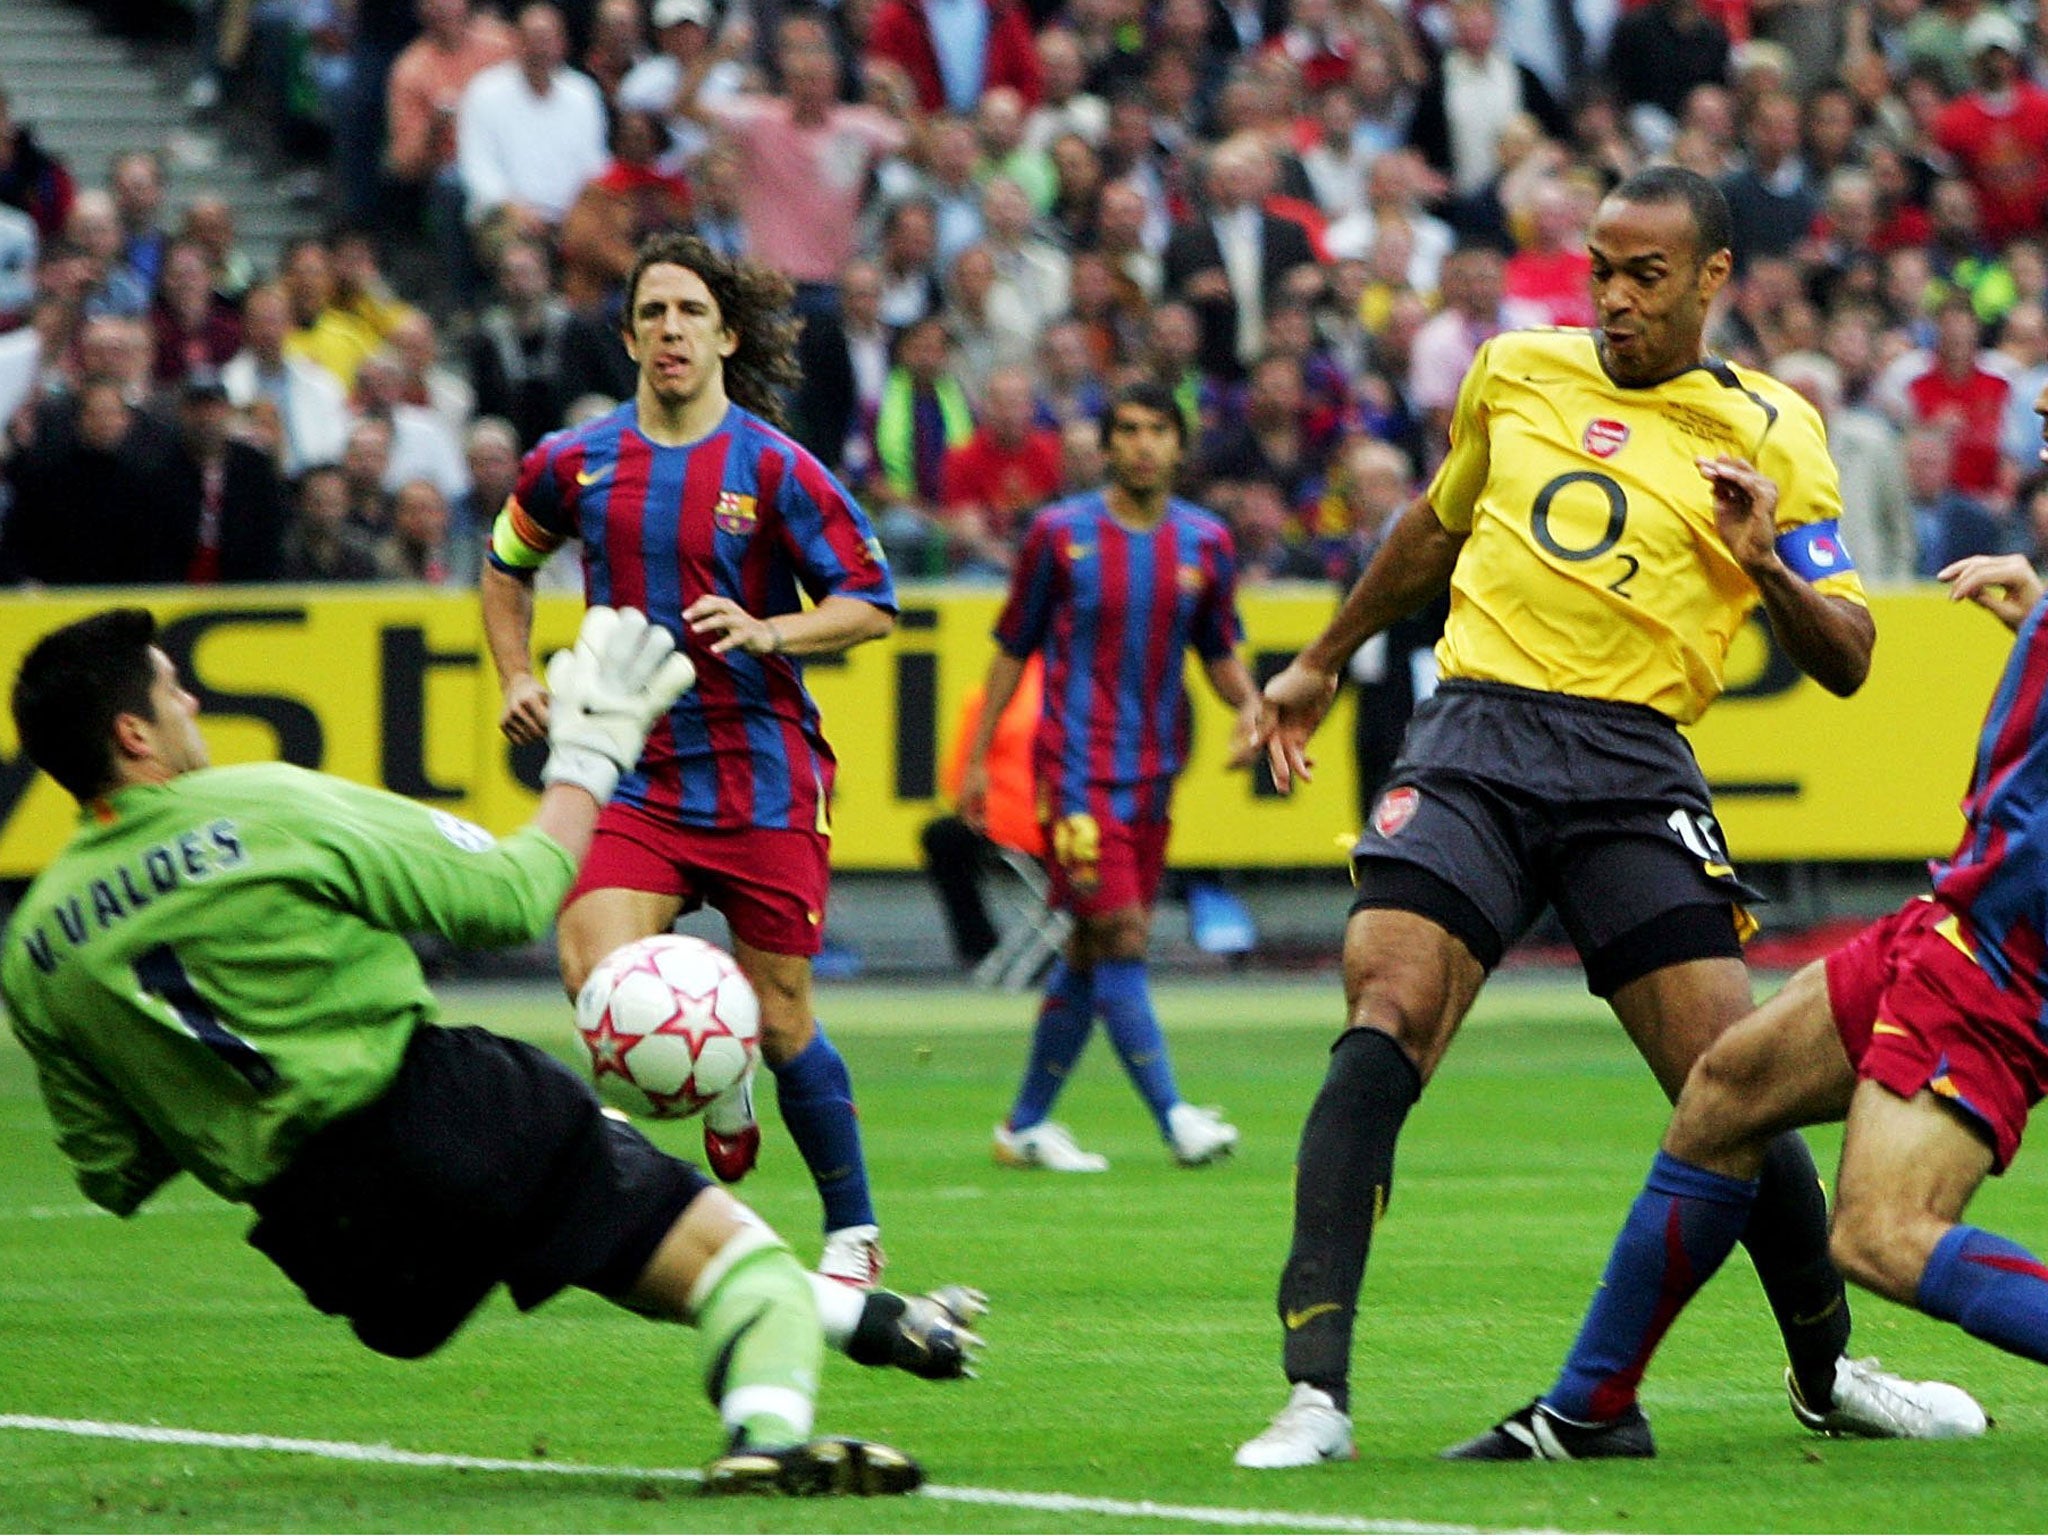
x=1301, y=216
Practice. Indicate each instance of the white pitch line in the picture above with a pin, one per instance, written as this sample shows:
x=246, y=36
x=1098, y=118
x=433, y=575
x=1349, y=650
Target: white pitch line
x=387, y=1455
x=1201, y=1514
x=73, y=1212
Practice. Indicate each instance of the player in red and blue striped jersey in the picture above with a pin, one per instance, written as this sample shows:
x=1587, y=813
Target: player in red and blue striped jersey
x=694, y=506
x=1998, y=876
x=1114, y=587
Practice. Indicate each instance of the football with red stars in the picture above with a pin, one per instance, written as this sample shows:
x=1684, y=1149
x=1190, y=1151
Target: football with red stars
x=670, y=1022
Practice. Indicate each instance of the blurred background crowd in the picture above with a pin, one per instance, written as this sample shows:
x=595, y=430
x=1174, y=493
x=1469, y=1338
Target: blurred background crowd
x=1302, y=216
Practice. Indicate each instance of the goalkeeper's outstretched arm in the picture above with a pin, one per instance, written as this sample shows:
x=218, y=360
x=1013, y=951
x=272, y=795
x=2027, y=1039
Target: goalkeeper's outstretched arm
x=407, y=874
x=622, y=674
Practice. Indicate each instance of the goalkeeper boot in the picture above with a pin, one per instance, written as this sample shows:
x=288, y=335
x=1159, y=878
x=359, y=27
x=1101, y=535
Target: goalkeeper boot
x=1310, y=1429
x=1877, y=1405
x=732, y=1136
x=815, y=1469
x=929, y=1336
x=1537, y=1434
x=1198, y=1136
x=935, y=1338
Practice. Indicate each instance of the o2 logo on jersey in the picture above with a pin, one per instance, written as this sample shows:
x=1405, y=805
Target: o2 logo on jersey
x=1605, y=438
x=1396, y=809
x=734, y=514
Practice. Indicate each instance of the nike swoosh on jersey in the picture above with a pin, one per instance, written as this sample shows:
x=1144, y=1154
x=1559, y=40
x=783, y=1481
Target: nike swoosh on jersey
x=591, y=477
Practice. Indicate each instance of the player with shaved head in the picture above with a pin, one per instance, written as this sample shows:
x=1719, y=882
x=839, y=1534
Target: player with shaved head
x=1615, y=503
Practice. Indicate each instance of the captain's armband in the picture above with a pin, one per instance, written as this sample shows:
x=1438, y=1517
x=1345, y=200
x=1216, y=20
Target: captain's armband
x=518, y=543
x=1814, y=550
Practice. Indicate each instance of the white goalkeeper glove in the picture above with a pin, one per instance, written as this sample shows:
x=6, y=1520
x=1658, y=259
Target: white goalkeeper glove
x=622, y=674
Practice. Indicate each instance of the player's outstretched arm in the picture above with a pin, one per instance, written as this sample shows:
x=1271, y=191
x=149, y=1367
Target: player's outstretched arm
x=1412, y=566
x=1005, y=672
x=508, y=631
x=2005, y=586
x=1830, y=638
x=835, y=624
x=406, y=872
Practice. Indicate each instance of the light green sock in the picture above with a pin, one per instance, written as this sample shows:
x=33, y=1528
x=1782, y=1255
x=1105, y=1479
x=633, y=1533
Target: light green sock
x=759, y=1340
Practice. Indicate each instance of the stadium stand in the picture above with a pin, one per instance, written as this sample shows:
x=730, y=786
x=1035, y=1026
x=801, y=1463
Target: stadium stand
x=1302, y=218
x=92, y=96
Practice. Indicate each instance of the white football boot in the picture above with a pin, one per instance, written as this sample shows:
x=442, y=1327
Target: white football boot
x=1048, y=1145
x=1198, y=1136
x=1310, y=1429
x=1880, y=1406
x=853, y=1256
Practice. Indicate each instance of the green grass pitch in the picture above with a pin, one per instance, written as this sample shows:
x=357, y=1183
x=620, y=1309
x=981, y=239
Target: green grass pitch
x=1132, y=1345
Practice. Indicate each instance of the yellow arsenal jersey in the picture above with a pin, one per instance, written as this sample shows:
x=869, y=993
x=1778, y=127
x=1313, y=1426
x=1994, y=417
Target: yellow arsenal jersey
x=1593, y=565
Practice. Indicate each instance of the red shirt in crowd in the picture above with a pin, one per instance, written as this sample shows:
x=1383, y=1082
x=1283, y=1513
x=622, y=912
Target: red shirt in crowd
x=1972, y=408
x=902, y=34
x=2004, y=153
x=1007, y=484
x=1557, y=282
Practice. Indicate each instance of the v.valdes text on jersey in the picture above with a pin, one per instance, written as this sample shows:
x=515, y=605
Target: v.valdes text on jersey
x=190, y=858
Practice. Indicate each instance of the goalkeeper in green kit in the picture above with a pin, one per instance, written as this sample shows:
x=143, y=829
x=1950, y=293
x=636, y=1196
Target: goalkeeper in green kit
x=213, y=978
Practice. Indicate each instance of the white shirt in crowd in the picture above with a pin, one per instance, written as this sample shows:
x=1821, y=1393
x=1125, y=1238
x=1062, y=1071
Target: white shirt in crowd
x=1481, y=97
x=651, y=86
x=422, y=448
x=512, y=146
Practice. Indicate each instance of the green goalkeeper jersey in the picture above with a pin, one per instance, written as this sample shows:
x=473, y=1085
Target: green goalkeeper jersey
x=216, y=967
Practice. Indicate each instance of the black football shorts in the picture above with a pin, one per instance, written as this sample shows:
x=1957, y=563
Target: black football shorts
x=486, y=1162
x=1507, y=798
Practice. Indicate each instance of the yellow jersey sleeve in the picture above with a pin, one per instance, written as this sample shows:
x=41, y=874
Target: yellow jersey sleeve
x=1454, y=492
x=1796, y=457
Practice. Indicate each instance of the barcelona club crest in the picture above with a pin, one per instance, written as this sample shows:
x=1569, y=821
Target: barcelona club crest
x=734, y=514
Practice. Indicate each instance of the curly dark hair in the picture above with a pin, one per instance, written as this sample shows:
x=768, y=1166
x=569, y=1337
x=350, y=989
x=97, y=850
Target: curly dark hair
x=753, y=301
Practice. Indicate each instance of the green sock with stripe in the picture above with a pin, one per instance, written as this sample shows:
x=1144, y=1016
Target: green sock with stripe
x=759, y=1340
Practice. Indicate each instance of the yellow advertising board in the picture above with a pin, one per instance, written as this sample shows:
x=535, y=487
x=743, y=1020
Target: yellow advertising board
x=1800, y=774
x=393, y=687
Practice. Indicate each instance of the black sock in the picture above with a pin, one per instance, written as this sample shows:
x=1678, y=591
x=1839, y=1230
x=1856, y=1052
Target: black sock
x=1787, y=1239
x=1343, y=1177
